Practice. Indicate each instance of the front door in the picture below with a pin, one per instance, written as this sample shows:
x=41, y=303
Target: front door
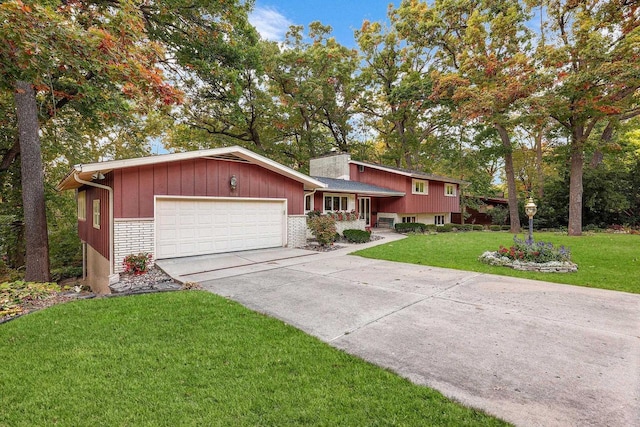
x=364, y=208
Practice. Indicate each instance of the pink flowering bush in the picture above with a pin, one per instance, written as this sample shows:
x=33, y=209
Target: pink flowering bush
x=137, y=264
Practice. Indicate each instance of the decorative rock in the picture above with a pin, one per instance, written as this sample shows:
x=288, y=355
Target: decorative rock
x=493, y=258
x=153, y=280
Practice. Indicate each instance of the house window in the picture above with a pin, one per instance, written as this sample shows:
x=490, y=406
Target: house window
x=408, y=219
x=82, y=205
x=308, y=202
x=439, y=219
x=336, y=203
x=96, y=213
x=420, y=186
x=450, y=190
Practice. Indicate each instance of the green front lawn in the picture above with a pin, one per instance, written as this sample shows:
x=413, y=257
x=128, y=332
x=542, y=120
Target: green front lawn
x=607, y=261
x=193, y=358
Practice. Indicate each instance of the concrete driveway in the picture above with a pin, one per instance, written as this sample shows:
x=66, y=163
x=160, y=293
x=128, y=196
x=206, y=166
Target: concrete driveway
x=532, y=353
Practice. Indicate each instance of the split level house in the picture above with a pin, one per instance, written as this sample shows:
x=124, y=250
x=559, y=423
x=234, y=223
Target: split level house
x=382, y=195
x=232, y=199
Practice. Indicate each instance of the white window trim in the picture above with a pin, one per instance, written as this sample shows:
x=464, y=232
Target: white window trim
x=453, y=187
x=350, y=202
x=96, y=213
x=435, y=219
x=416, y=181
x=311, y=204
x=82, y=205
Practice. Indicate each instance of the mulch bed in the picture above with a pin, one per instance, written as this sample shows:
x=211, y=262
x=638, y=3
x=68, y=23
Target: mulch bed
x=155, y=280
x=339, y=244
x=39, y=304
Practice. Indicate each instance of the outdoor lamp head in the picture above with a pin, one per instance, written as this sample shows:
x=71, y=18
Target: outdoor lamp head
x=530, y=208
x=233, y=182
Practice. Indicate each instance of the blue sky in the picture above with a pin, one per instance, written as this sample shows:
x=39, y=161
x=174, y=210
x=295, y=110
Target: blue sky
x=272, y=18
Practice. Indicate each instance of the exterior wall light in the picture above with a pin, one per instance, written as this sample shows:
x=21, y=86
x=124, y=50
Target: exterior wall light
x=233, y=183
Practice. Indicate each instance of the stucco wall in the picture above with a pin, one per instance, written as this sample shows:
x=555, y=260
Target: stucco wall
x=97, y=271
x=335, y=166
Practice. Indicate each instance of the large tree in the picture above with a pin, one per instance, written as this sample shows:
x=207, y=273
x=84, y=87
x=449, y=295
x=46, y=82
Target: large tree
x=312, y=79
x=483, y=65
x=591, y=49
x=103, y=58
x=395, y=100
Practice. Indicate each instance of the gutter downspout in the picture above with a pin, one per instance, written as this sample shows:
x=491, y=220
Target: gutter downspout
x=310, y=194
x=113, y=278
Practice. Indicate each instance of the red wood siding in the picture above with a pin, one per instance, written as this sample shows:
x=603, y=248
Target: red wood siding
x=318, y=201
x=135, y=187
x=97, y=238
x=434, y=202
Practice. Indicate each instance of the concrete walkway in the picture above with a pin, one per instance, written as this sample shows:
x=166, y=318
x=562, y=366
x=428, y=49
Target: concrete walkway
x=532, y=353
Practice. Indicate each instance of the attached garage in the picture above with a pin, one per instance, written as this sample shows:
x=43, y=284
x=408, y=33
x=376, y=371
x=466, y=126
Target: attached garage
x=198, y=226
x=184, y=204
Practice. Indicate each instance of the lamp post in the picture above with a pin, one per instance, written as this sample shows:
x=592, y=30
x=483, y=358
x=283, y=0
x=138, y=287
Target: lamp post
x=530, y=209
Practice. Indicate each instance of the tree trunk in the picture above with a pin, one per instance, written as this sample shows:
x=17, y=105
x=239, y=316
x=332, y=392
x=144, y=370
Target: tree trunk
x=514, y=216
x=575, y=185
x=35, y=217
x=538, y=148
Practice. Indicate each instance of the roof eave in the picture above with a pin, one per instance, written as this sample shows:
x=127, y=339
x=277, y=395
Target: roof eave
x=85, y=170
x=411, y=174
x=365, y=193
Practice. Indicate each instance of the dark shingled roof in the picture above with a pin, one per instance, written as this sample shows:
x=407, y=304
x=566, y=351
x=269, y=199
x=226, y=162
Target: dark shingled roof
x=345, y=186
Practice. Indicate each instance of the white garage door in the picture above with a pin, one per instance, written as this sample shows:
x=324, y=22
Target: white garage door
x=186, y=227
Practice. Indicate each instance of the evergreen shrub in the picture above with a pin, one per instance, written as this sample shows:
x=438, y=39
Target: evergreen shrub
x=357, y=236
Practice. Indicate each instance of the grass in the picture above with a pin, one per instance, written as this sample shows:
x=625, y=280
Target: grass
x=606, y=261
x=193, y=358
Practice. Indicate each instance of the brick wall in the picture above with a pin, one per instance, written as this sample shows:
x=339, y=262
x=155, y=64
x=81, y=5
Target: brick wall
x=132, y=236
x=296, y=231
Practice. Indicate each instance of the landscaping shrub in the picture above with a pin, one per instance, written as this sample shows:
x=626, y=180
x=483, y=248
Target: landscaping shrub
x=62, y=273
x=323, y=227
x=357, y=236
x=498, y=214
x=406, y=227
x=136, y=264
x=593, y=228
x=505, y=227
x=464, y=227
x=431, y=227
x=494, y=227
x=65, y=249
x=447, y=228
x=314, y=213
x=477, y=227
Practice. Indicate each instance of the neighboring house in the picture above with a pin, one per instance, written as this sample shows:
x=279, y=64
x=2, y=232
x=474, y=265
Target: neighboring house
x=193, y=203
x=482, y=214
x=382, y=195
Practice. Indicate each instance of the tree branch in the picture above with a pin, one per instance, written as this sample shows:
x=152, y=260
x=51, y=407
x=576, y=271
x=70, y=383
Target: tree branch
x=9, y=157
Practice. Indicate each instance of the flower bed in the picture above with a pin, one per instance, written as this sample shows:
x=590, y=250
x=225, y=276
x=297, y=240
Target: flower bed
x=529, y=255
x=494, y=258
